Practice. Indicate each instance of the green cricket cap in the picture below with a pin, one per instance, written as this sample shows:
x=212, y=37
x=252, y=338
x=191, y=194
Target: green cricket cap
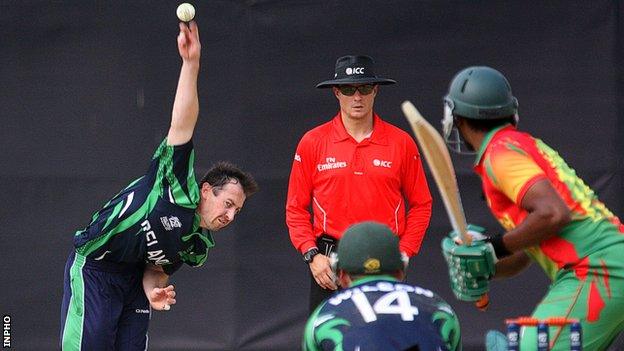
x=369, y=248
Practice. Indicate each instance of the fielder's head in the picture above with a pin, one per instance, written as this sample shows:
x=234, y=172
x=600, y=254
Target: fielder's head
x=368, y=248
x=479, y=98
x=355, y=85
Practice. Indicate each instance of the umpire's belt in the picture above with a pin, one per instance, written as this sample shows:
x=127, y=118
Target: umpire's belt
x=326, y=244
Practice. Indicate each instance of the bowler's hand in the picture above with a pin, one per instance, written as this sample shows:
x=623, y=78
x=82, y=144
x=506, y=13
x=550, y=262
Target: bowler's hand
x=188, y=42
x=322, y=272
x=162, y=298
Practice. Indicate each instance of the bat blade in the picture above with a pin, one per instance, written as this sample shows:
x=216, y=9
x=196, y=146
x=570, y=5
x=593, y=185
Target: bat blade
x=438, y=158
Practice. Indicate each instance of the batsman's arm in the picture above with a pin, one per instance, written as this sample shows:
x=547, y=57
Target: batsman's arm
x=547, y=215
x=512, y=265
x=523, y=181
x=186, y=103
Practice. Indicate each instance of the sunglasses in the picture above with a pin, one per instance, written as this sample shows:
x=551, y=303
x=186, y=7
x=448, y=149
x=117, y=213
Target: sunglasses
x=349, y=90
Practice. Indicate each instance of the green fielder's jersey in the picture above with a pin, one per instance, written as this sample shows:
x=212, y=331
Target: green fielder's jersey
x=380, y=313
x=153, y=219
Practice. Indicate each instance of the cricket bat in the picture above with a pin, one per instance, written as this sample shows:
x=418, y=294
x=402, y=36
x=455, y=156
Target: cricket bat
x=439, y=160
x=436, y=153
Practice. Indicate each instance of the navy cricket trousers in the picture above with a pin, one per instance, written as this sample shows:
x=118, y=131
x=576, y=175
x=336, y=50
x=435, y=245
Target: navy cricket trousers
x=104, y=306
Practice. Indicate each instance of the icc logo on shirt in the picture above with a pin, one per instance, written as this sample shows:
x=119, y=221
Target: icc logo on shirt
x=382, y=163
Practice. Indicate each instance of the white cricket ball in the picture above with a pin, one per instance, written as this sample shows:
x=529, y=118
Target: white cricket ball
x=185, y=12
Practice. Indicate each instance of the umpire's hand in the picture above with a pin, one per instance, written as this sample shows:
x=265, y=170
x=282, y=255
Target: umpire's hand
x=322, y=272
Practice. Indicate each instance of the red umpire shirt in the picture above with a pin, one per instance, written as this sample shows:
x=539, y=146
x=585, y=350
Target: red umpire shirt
x=347, y=182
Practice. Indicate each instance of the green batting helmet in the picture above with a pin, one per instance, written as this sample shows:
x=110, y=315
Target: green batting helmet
x=481, y=92
x=369, y=248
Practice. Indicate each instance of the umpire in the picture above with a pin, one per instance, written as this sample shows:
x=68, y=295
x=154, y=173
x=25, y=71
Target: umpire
x=355, y=167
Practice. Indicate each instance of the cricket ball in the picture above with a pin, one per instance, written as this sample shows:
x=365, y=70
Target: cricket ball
x=185, y=12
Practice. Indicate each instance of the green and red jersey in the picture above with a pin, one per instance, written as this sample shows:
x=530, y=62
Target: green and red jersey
x=509, y=163
x=378, y=179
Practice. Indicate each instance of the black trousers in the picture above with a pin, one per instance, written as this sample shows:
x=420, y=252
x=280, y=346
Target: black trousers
x=326, y=245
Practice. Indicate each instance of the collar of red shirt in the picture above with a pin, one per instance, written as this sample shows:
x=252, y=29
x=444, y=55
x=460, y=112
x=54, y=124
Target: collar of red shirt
x=379, y=135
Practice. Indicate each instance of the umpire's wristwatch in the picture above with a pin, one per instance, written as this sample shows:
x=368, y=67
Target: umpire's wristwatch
x=309, y=255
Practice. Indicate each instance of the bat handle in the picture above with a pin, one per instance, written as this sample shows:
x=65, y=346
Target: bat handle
x=483, y=303
x=463, y=234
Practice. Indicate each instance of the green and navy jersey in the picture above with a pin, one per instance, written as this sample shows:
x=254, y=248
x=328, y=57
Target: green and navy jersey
x=381, y=313
x=153, y=219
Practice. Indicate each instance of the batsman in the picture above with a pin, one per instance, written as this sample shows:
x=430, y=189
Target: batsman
x=549, y=214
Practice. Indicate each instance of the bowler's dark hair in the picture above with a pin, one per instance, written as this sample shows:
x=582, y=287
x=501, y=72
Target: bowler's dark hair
x=224, y=172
